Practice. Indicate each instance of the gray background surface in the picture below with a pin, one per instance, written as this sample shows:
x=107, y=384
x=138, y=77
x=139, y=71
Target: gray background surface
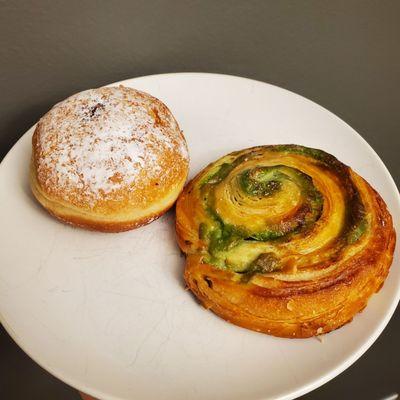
x=345, y=55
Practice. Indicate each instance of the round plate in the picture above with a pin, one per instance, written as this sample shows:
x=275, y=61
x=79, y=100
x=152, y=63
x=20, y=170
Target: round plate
x=109, y=314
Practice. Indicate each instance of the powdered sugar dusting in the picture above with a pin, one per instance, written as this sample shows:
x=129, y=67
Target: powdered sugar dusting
x=100, y=140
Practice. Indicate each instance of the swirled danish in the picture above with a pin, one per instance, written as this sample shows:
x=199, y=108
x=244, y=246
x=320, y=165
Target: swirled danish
x=284, y=240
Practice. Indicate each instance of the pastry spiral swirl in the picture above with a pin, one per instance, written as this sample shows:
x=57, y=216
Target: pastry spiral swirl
x=284, y=240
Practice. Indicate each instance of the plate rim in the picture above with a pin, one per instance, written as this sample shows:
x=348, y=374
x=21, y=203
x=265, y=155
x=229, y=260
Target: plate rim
x=290, y=394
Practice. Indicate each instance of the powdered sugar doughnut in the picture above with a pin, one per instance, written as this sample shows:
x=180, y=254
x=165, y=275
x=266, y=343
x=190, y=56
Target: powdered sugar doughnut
x=108, y=159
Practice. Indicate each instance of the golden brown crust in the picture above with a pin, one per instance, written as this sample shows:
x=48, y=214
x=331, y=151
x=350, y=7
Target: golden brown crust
x=110, y=227
x=288, y=305
x=108, y=159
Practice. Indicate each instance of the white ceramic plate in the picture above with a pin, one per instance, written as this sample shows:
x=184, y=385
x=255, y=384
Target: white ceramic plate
x=108, y=313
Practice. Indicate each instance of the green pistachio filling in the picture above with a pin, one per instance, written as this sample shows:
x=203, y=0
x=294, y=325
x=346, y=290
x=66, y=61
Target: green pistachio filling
x=357, y=230
x=261, y=181
x=235, y=247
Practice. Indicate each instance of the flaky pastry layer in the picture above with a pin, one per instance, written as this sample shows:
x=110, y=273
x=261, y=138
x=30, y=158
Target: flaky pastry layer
x=284, y=240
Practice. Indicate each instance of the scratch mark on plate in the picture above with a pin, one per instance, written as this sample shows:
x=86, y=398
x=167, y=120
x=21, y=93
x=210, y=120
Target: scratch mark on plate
x=147, y=337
